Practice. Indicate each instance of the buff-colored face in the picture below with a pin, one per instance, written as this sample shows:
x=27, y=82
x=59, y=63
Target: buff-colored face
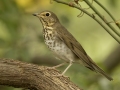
x=47, y=18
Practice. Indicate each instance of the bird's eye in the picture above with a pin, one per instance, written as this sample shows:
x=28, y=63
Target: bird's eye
x=47, y=14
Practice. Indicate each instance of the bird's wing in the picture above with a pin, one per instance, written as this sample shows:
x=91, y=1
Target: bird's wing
x=75, y=46
x=78, y=50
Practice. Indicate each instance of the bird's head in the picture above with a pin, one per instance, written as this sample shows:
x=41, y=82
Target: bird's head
x=47, y=18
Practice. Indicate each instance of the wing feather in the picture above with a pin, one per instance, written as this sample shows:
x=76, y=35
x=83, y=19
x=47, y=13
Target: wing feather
x=75, y=46
x=78, y=50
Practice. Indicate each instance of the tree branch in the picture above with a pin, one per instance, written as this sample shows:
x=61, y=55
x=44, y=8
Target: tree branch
x=23, y=75
x=102, y=17
x=118, y=25
x=117, y=38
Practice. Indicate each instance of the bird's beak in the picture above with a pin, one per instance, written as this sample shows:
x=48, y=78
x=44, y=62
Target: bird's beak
x=35, y=14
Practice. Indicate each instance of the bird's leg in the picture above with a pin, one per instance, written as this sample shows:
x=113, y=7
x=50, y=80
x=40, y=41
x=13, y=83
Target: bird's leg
x=70, y=63
x=54, y=67
x=59, y=65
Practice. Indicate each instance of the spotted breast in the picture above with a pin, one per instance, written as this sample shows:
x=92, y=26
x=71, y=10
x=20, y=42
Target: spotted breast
x=56, y=45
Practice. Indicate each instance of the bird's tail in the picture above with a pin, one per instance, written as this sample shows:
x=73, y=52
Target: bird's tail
x=97, y=69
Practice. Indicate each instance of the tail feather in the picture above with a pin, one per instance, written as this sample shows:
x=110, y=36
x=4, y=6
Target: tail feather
x=97, y=69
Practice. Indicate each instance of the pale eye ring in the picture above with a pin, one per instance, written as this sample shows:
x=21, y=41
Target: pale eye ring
x=47, y=14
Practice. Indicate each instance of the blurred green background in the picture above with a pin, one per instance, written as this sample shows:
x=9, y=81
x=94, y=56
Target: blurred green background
x=21, y=39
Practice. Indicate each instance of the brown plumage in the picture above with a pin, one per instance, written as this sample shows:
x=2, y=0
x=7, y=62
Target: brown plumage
x=63, y=44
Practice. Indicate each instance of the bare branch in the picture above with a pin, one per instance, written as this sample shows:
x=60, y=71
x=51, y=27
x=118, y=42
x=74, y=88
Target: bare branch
x=23, y=75
x=101, y=16
x=112, y=33
x=107, y=12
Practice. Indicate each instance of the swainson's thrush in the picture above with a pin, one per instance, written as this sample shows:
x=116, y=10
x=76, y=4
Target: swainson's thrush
x=63, y=44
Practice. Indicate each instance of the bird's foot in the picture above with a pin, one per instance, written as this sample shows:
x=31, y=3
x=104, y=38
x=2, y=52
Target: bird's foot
x=60, y=75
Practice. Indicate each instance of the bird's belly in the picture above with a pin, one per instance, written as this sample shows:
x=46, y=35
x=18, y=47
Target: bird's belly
x=61, y=50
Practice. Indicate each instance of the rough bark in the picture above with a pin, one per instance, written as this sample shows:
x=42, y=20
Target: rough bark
x=24, y=75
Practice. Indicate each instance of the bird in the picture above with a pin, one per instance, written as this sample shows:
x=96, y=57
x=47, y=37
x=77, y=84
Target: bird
x=63, y=44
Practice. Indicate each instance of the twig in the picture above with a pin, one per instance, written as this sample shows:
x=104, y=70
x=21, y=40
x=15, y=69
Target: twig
x=107, y=12
x=92, y=16
x=101, y=16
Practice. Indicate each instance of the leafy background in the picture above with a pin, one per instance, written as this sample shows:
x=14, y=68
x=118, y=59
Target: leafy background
x=21, y=39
